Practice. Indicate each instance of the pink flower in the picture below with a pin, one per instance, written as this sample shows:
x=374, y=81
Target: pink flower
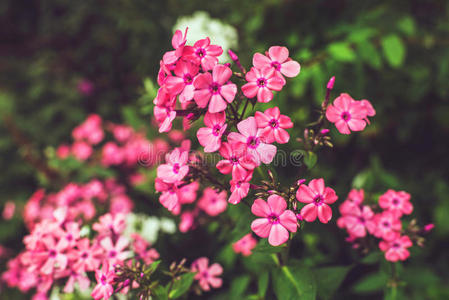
x=396, y=249
x=239, y=188
x=207, y=275
x=85, y=257
x=275, y=221
x=212, y=89
x=387, y=225
x=176, y=167
x=396, y=202
x=347, y=114
x=279, y=60
x=178, y=42
x=317, y=197
x=169, y=197
x=115, y=253
x=182, y=83
x=210, y=136
x=112, y=154
x=251, y=137
x=8, y=210
x=261, y=83
x=82, y=150
x=273, y=125
x=105, y=277
x=141, y=246
x=63, y=151
x=187, y=221
x=85, y=87
x=213, y=203
x=245, y=245
x=53, y=256
x=110, y=224
x=356, y=196
x=204, y=53
x=369, y=109
x=236, y=160
x=358, y=221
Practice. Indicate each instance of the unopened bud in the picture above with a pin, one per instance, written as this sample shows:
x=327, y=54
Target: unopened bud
x=428, y=227
x=232, y=55
x=324, y=131
x=330, y=84
x=300, y=181
x=227, y=65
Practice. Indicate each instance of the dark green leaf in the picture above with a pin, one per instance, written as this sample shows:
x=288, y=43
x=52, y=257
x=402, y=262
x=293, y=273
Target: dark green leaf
x=294, y=283
x=238, y=286
x=329, y=280
x=181, y=286
x=262, y=284
x=159, y=293
x=371, y=283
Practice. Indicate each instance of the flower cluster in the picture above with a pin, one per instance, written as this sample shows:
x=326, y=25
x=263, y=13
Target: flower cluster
x=382, y=221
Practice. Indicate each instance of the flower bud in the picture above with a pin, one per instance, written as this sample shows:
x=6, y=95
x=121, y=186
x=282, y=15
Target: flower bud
x=330, y=84
x=232, y=55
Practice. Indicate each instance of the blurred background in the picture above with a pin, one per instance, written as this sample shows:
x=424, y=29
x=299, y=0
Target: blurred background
x=61, y=60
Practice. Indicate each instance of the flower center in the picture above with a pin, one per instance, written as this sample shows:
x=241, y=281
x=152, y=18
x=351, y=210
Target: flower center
x=84, y=255
x=214, y=88
x=346, y=116
x=395, y=245
x=276, y=65
x=362, y=220
x=261, y=82
x=52, y=253
x=395, y=201
x=216, y=130
x=273, y=219
x=234, y=160
x=200, y=53
x=176, y=168
x=103, y=279
x=188, y=79
x=274, y=123
x=386, y=224
x=253, y=142
x=318, y=200
x=112, y=253
x=205, y=274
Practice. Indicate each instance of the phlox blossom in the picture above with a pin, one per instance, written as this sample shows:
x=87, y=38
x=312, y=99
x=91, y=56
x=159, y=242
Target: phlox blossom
x=236, y=160
x=273, y=125
x=387, y=225
x=178, y=42
x=317, y=197
x=240, y=187
x=182, y=83
x=105, y=277
x=213, y=203
x=396, y=249
x=202, y=52
x=206, y=275
x=275, y=220
x=396, y=202
x=175, y=168
x=210, y=136
x=262, y=83
x=277, y=58
x=245, y=245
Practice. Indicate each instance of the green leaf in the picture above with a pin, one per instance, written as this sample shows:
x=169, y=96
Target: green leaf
x=372, y=258
x=394, y=50
x=369, y=54
x=159, y=293
x=153, y=267
x=238, y=286
x=371, y=283
x=329, y=280
x=407, y=25
x=264, y=247
x=294, y=283
x=341, y=51
x=262, y=284
x=181, y=286
x=310, y=159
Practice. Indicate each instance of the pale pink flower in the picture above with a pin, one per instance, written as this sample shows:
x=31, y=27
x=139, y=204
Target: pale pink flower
x=356, y=196
x=110, y=224
x=82, y=150
x=112, y=154
x=275, y=222
x=245, y=245
x=396, y=202
x=273, y=125
x=105, y=277
x=121, y=204
x=387, y=225
x=214, y=90
x=210, y=136
x=277, y=58
x=396, y=249
x=347, y=114
x=53, y=256
x=236, y=160
x=115, y=253
x=182, y=83
x=175, y=168
x=85, y=257
x=261, y=83
x=240, y=187
x=122, y=133
x=187, y=221
x=317, y=197
x=169, y=197
x=204, y=53
x=142, y=249
x=8, y=210
x=178, y=42
x=358, y=221
x=206, y=275
x=82, y=280
x=250, y=136
x=213, y=203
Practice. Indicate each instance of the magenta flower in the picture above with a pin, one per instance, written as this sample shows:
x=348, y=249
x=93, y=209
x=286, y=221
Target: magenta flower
x=236, y=160
x=245, y=245
x=273, y=125
x=86, y=257
x=358, y=221
x=105, y=277
x=275, y=222
x=81, y=150
x=239, y=187
x=53, y=257
x=387, y=226
x=214, y=90
x=396, y=202
x=204, y=53
x=115, y=253
x=278, y=59
x=206, y=275
x=182, y=83
x=396, y=249
x=317, y=197
x=175, y=168
x=250, y=136
x=369, y=109
x=210, y=136
x=347, y=114
x=213, y=203
x=110, y=224
x=261, y=83
x=178, y=42
x=169, y=197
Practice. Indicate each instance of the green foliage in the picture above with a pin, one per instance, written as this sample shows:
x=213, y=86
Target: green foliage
x=294, y=282
x=181, y=286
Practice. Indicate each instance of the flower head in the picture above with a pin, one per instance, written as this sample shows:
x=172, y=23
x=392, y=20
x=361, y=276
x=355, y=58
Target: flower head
x=273, y=125
x=396, y=249
x=277, y=58
x=210, y=136
x=261, y=83
x=245, y=245
x=206, y=275
x=396, y=202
